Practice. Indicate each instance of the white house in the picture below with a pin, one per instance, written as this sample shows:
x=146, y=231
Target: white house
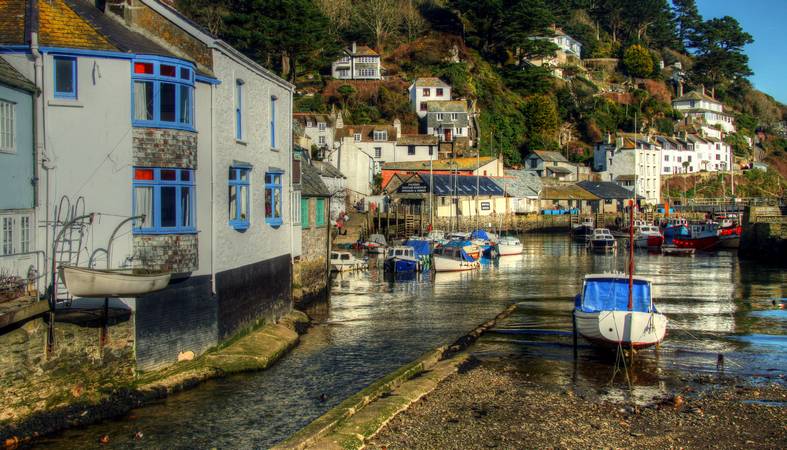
x=569, y=51
x=148, y=116
x=415, y=147
x=447, y=120
x=632, y=162
x=358, y=62
x=427, y=89
x=320, y=128
x=698, y=105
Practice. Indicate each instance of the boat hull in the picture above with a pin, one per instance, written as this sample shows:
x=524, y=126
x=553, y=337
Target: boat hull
x=83, y=282
x=730, y=241
x=444, y=264
x=602, y=245
x=625, y=328
x=400, y=265
x=509, y=250
x=703, y=243
x=652, y=241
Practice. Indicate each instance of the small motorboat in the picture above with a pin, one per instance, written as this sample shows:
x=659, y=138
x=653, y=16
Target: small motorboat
x=582, y=231
x=702, y=236
x=401, y=259
x=675, y=227
x=423, y=251
x=509, y=245
x=648, y=236
x=456, y=256
x=435, y=236
x=85, y=282
x=602, y=241
x=345, y=262
x=375, y=244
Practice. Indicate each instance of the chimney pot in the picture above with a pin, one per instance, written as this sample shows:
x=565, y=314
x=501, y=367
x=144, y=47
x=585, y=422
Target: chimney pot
x=354, y=47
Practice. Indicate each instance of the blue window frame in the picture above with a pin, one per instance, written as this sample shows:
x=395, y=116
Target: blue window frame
x=65, y=72
x=239, y=110
x=239, y=187
x=162, y=93
x=273, y=121
x=166, y=197
x=273, y=204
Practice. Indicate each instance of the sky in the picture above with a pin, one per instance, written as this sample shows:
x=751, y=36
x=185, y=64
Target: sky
x=766, y=21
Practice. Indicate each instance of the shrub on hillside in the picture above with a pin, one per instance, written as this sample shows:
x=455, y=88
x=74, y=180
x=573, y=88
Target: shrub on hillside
x=637, y=61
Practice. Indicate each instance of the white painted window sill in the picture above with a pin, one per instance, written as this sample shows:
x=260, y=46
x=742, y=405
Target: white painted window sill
x=66, y=103
x=274, y=149
x=241, y=142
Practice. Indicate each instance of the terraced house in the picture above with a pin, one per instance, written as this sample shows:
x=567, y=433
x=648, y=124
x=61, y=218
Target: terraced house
x=143, y=114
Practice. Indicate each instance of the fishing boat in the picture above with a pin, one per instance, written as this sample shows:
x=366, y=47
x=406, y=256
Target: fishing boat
x=86, y=282
x=617, y=310
x=486, y=242
x=602, y=240
x=401, y=259
x=730, y=237
x=675, y=227
x=456, y=256
x=375, y=244
x=648, y=236
x=423, y=251
x=345, y=262
x=583, y=230
x=509, y=245
x=702, y=236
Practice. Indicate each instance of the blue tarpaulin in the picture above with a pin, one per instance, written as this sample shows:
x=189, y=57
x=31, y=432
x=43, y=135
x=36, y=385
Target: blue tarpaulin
x=612, y=294
x=479, y=234
x=422, y=248
x=461, y=245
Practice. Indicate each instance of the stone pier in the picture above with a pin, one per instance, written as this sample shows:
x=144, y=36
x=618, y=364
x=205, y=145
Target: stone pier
x=764, y=235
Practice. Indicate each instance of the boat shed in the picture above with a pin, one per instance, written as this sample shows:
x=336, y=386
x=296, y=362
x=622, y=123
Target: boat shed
x=451, y=195
x=612, y=197
x=567, y=197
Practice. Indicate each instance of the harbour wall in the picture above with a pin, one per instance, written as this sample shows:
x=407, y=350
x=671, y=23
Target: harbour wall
x=764, y=236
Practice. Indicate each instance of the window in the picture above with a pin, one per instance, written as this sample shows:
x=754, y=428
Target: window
x=239, y=204
x=305, y=212
x=426, y=92
x=378, y=152
x=239, y=128
x=7, y=236
x=321, y=126
x=163, y=94
x=321, y=140
x=357, y=137
x=166, y=198
x=439, y=92
x=431, y=150
x=666, y=157
x=319, y=212
x=454, y=116
x=273, y=121
x=65, y=71
x=411, y=150
x=273, y=213
x=423, y=106
x=718, y=157
x=380, y=135
x=7, y=127
x=295, y=207
x=439, y=116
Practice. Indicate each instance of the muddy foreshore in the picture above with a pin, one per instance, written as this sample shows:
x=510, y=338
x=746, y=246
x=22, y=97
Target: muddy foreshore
x=496, y=405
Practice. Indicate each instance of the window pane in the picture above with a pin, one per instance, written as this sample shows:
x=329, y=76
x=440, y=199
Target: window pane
x=233, y=200
x=244, y=205
x=185, y=206
x=167, y=102
x=233, y=174
x=167, y=71
x=185, y=104
x=244, y=175
x=8, y=235
x=168, y=206
x=143, y=68
x=277, y=179
x=24, y=229
x=185, y=175
x=277, y=203
x=64, y=75
x=143, y=174
x=143, y=205
x=268, y=199
x=168, y=175
x=143, y=100
x=185, y=74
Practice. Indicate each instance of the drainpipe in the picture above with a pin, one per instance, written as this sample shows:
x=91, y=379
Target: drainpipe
x=40, y=124
x=212, y=189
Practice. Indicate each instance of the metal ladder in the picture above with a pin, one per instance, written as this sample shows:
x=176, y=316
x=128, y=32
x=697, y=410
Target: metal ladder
x=68, y=231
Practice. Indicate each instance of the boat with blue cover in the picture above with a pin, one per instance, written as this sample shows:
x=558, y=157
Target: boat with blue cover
x=486, y=241
x=456, y=256
x=413, y=256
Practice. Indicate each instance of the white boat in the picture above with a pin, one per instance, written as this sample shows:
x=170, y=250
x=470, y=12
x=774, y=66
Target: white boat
x=345, y=261
x=375, y=244
x=85, y=282
x=602, y=240
x=509, y=245
x=401, y=258
x=648, y=236
x=455, y=257
x=605, y=316
x=435, y=236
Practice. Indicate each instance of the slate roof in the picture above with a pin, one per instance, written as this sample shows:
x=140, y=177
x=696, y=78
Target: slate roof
x=559, y=170
x=417, y=139
x=566, y=192
x=606, y=190
x=521, y=183
x=469, y=163
x=696, y=95
x=311, y=183
x=430, y=82
x=550, y=156
x=446, y=106
x=11, y=77
x=465, y=185
x=366, y=131
x=326, y=169
x=303, y=117
x=361, y=50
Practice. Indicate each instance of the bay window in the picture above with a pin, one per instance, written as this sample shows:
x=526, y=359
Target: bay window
x=239, y=206
x=166, y=199
x=273, y=207
x=163, y=94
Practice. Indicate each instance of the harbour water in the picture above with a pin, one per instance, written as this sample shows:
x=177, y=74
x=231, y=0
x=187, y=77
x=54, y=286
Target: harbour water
x=716, y=304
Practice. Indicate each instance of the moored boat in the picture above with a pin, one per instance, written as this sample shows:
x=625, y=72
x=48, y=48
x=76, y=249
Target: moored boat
x=509, y=245
x=602, y=240
x=583, y=230
x=675, y=227
x=85, y=282
x=648, y=236
x=730, y=236
x=702, y=236
x=401, y=259
x=375, y=244
x=345, y=261
x=455, y=256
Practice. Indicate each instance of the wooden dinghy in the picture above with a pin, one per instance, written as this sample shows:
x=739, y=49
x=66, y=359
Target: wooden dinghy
x=85, y=282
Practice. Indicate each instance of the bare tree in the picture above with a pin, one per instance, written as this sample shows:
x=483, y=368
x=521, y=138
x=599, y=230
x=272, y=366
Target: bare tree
x=380, y=17
x=412, y=19
x=338, y=11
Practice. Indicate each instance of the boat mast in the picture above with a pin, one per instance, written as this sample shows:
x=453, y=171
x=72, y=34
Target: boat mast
x=631, y=255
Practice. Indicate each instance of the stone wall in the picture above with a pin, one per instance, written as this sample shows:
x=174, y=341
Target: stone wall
x=313, y=269
x=159, y=147
x=78, y=369
x=764, y=234
x=175, y=253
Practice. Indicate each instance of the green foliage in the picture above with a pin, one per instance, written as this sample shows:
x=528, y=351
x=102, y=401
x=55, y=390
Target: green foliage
x=718, y=45
x=739, y=145
x=458, y=76
x=541, y=121
x=637, y=61
x=392, y=104
x=665, y=125
x=528, y=80
x=310, y=103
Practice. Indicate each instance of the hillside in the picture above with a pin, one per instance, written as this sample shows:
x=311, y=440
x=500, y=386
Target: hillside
x=634, y=55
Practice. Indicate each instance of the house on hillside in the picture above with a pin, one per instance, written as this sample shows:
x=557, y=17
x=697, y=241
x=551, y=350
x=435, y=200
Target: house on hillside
x=449, y=195
x=448, y=120
x=551, y=165
x=415, y=147
x=358, y=62
x=634, y=162
x=425, y=90
x=569, y=52
x=698, y=105
x=17, y=175
x=319, y=128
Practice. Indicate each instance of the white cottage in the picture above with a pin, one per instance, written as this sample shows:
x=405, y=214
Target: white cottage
x=425, y=90
x=358, y=62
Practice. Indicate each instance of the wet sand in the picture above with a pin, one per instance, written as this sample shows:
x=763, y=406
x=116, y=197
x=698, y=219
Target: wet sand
x=497, y=406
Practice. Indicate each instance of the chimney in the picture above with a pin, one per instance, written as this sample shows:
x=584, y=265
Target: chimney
x=398, y=125
x=680, y=88
x=702, y=89
x=354, y=47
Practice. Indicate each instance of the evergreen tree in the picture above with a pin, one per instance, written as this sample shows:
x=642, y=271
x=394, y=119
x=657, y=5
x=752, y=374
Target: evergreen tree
x=718, y=44
x=687, y=19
